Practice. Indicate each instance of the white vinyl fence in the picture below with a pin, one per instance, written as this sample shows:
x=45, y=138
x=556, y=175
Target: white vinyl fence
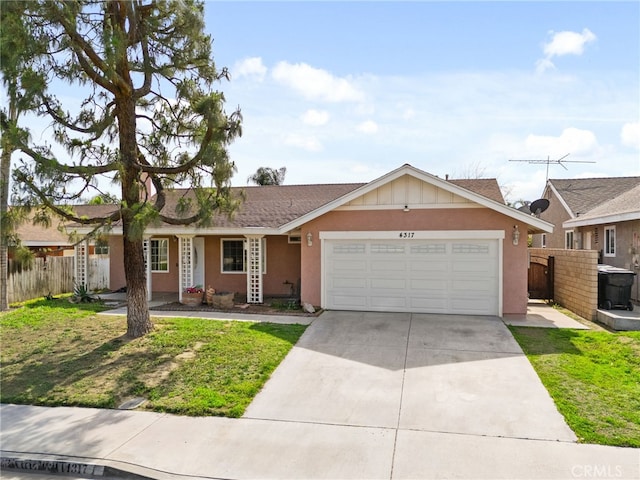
x=54, y=275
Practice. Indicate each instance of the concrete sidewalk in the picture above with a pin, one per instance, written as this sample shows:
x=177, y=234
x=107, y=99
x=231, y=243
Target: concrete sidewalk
x=165, y=446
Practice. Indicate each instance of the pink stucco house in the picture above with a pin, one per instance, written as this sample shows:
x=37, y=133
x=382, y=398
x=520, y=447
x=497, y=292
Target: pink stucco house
x=405, y=242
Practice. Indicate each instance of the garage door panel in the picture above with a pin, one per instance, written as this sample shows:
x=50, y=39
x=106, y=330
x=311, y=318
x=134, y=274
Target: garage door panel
x=470, y=287
x=470, y=304
x=427, y=284
x=388, y=303
x=432, y=305
x=470, y=267
x=349, y=282
x=350, y=302
x=390, y=266
x=443, y=276
x=347, y=265
x=388, y=283
x=430, y=267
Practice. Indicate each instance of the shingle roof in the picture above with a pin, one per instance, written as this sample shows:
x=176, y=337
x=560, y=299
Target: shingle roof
x=33, y=235
x=272, y=206
x=584, y=194
x=487, y=187
x=628, y=202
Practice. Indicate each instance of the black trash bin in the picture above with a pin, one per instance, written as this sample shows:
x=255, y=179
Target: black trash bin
x=614, y=287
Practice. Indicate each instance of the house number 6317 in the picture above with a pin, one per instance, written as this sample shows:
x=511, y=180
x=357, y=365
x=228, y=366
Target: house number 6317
x=407, y=234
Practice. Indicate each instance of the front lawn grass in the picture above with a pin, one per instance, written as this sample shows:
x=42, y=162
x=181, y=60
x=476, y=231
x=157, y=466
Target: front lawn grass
x=58, y=353
x=593, y=377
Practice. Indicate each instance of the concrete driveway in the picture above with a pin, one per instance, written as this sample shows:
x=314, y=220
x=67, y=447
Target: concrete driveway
x=420, y=372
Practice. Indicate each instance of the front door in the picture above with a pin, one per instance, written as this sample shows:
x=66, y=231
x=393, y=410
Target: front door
x=198, y=261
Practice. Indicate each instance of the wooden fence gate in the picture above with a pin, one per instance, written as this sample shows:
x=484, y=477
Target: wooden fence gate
x=540, y=283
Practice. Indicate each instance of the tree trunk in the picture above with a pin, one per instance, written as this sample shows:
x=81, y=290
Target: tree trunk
x=5, y=171
x=138, y=320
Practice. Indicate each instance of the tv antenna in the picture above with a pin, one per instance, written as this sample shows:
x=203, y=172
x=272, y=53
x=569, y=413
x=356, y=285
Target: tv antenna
x=560, y=161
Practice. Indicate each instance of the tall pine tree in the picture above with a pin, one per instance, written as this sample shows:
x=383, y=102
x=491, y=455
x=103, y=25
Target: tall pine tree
x=139, y=103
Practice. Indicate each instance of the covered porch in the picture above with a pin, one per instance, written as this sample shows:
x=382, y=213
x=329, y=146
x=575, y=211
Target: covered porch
x=254, y=265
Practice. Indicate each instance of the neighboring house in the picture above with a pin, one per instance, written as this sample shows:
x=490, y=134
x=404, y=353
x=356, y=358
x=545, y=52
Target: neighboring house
x=406, y=242
x=54, y=241
x=91, y=259
x=572, y=198
x=613, y=228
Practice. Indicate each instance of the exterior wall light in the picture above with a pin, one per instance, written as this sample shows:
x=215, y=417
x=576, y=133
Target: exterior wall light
x=515, y=236
x=309, y=239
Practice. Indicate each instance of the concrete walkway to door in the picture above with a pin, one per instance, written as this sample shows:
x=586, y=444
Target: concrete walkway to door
x=425, y=372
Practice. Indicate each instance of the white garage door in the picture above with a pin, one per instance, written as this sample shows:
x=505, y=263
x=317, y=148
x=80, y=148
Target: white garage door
x=431, y=276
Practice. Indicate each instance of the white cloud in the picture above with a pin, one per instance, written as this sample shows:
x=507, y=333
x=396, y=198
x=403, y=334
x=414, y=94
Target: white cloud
x=630, y=135
x=571, y=140
x=568, y=43
x=315, y=118
x=544, y=64
x=564, y=43
x=315, y=83
x=250, y=67
x=309, y=143
x=369, y=127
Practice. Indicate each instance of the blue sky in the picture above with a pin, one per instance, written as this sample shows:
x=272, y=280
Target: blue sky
x=347, y=91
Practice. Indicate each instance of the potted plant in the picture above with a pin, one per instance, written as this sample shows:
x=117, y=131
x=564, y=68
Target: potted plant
x=192, y=296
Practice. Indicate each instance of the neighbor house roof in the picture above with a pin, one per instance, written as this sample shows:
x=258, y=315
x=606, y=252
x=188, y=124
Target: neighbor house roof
x=622, y=208
x=580, y=195
x=57, y=234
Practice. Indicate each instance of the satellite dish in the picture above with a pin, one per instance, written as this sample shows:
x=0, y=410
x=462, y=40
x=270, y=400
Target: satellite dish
x=539, y=206
x=525, y=209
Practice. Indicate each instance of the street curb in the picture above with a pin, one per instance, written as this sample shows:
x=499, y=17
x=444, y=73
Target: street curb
x=72, y=467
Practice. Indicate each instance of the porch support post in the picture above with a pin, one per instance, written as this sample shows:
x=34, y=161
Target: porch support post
x=146, y=246
x=185, y=263
x=81, y=262
x=254, y=268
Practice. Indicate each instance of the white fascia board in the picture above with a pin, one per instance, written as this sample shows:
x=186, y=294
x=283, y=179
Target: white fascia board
x=559, y=197
x=199, y=231
x=601, y=220
x=413, y=235
x=428, y=178
x=36, y=243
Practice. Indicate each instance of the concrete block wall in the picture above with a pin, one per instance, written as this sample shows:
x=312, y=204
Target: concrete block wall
x=575, y=279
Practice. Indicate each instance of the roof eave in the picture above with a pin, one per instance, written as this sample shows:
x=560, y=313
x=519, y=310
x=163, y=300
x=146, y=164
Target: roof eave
x=172, y=230
x=602, y=219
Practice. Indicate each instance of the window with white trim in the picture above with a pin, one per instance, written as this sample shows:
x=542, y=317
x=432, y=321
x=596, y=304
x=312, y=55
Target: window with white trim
x=234, y=256
x=609, y=241
x=568, y=239
x=101, y=247
x=159, y=254
x=544, y=240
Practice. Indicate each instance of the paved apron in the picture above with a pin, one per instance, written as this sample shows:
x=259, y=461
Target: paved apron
x=424, y=372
